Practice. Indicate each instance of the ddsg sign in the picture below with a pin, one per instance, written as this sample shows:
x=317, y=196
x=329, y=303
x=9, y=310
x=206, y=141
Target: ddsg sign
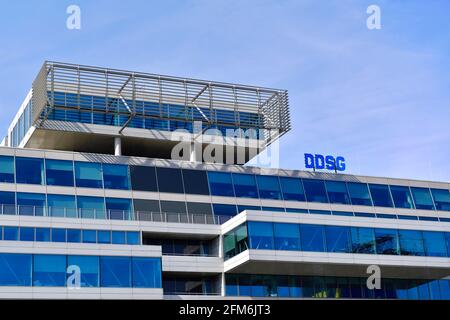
x=318, y=161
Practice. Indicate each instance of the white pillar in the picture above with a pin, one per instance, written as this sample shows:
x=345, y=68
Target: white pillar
x=117, y=146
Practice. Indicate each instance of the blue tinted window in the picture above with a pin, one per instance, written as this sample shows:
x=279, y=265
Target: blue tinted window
x=312, y=237
x=292, y=189
x=434, y=243
x=380, y=195
x=220, y=184
x=337, y=192
x=30, y=170
x=260, y=235
x=195, y=182
x=359, y=194
x=315, y=190
x=387, y=241
x=15, y=270
x=224, y=210
x=7, y=202
x=118, y=237
x=245, y=185
x=170, y=180
x=133, y=238
x=88, y=175
x=363, y=240
x=74, y=235
x=411, y=243
x=104, y=236
x=59, y=235
x=441, y=199
x=89, y=268
x=287, y=236
x=343, y=213
x=26, y=234
x=269, y=187
x=447, y=240
x=59, y=173
x=6, y=169
x=402, y=197
x=61, y=206
x=422, y=198
x=365, y=214
x=119, y=209
x=115, y=272
x=43, y=234
x=116, y=176
x=10, y=233
x=49, y=271
x=386, y=216
x=91, y=207
x=146, y=272
x=31, y=204
x=403, y=217
x=89, y=236
x=338, y=239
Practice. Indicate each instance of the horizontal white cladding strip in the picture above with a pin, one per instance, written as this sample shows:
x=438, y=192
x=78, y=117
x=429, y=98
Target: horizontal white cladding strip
x=65, y=155
x=192, y=264
x=26, y=247
x=82, y=293
x=116, y=225
x=333, y=220
x=335, y=258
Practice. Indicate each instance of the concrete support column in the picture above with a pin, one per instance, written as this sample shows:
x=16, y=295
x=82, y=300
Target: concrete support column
x=117, y=146
x=193, y=152
x=222, y=285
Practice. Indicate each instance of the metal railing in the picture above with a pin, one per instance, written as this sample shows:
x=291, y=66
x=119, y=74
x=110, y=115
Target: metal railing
x=82, y=213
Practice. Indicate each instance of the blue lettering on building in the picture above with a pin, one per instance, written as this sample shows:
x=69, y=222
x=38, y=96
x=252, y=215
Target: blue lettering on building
x=320, y=162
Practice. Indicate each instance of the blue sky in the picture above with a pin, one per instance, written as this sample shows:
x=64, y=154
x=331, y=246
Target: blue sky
x=380, y=98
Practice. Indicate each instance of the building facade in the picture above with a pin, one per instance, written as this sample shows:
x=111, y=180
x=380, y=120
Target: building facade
x=93, y=205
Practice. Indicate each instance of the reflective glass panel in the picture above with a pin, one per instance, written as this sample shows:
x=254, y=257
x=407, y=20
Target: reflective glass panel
x=315, y=190
x=30, y=170
x=411, y=243
x=88, y=175
x=143, y=178
x=269, y=187
x=312, y=237
x=402, y=197
x=61, y=205
x=146, y=272
x=170, y=180
x=338, y=239
x=261, y=235
x=15, y=269
x=31, y=204
x=441, y=199
x=115, y=272
x=89, y=269
x=6, y=169
x=195, y=182
x=220, y=184
x=119, y=209
x=380, y=195
x=363, y=240
x=59, y=173
x=292, y=189
x=115, y=176
x=91, y=207
x=287, y=236
x=387, y=241
x=337, y=192
x=359, y=194
x=434, y=243
x=245, y=185
x=49, y=271
x=422, y=198
x=43, y=234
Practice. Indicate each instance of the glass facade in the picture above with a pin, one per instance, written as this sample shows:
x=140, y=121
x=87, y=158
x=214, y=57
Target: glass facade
x=275, y=286
x=340, y=239
x=173, y=180
x=38, y=270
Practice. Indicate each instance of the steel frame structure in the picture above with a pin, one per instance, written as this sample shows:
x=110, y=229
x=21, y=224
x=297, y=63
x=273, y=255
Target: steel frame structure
x=270, y=106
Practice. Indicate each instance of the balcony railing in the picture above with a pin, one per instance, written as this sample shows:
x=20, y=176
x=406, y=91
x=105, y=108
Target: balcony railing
x=81, y=213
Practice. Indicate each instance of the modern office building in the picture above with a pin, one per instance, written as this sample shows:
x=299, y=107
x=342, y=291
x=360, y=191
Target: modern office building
x=93, y=205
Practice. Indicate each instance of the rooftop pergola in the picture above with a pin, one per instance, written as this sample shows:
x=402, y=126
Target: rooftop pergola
x=206, y=98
